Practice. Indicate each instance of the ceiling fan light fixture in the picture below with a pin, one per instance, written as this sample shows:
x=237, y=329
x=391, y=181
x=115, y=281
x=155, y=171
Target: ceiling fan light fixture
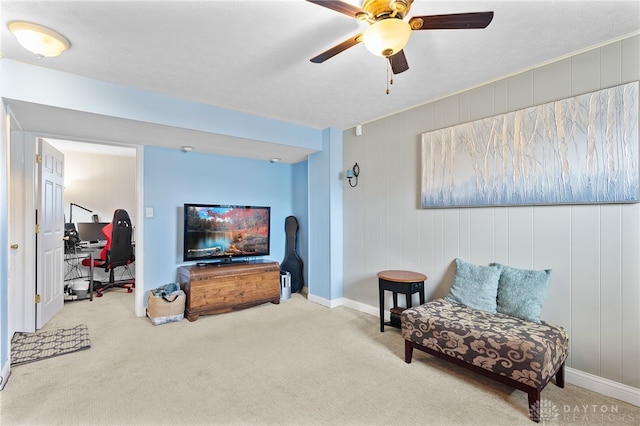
x=41, y=41
x=387, y=36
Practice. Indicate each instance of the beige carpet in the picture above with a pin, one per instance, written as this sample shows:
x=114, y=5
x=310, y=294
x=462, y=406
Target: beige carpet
x=296, y=363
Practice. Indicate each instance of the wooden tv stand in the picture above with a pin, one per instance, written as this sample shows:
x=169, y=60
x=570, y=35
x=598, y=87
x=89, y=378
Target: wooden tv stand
x=217, y=288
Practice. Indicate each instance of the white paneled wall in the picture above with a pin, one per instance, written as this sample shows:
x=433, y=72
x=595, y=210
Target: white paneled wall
x=593, y=250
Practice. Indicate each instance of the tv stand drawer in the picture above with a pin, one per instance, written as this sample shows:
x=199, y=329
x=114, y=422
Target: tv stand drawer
x=219, y=288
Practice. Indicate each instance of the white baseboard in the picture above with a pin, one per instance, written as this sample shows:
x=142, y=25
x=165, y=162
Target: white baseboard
x=324, y=302
x=603, y=386
x=362, y=307
x=575, y=377
x=358, y=306
x=4, y=375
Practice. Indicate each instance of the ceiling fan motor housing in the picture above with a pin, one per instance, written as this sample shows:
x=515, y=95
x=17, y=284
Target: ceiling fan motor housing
x=378, y=9
x=400, y=6
x=387, y=37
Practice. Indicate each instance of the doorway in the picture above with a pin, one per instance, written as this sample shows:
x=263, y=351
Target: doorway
x=98, y=180
x=102, y=191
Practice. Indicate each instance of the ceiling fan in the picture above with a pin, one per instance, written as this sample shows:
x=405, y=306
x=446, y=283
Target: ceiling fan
x=388, y=32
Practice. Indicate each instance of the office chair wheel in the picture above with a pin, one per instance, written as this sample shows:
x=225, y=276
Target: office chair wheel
x=129, y=290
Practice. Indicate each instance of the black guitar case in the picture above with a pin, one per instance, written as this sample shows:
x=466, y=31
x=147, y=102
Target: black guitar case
x=292, y=262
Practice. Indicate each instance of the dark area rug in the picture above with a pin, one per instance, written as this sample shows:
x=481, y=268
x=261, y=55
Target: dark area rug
x=30, y=347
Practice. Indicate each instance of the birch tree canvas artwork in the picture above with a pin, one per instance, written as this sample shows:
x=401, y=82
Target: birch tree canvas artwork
x=577, y=150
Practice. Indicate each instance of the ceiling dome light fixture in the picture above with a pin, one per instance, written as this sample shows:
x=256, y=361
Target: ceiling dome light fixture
x=387, y=36
x=42, y=41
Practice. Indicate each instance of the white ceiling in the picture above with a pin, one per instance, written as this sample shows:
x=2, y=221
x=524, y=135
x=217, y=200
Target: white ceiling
x=253, y=57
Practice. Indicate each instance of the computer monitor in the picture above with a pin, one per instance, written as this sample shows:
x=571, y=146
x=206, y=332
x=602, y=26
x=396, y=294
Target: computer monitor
x=91, y=231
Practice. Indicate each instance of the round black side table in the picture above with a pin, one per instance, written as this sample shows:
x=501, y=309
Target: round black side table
x=396, y=281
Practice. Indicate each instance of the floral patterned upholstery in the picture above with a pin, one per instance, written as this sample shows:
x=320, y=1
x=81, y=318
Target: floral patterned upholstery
x=524, y=351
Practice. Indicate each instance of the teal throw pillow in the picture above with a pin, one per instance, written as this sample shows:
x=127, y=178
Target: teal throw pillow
x=521, y=292
x=475, y=286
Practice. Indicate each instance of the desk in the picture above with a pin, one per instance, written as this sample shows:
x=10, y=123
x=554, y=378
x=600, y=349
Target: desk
x=405, y=282
x=73, y=259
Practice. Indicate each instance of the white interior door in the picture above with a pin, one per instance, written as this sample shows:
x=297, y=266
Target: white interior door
x=50, y=233
x=22, y=271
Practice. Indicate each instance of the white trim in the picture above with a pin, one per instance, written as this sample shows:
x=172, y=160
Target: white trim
x=324, y=302
x=603, y=386
x=362, y=307
x=139, y=288
x=6, y=372
x=5, y=265
x=357, y=306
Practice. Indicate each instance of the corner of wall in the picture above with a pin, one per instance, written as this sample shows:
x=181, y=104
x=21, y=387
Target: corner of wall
x=325, y=218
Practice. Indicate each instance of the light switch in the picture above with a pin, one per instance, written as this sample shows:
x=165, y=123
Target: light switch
x=149, y=212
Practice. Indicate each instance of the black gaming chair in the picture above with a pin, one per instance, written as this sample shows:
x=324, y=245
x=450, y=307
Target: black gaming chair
x=118, y=252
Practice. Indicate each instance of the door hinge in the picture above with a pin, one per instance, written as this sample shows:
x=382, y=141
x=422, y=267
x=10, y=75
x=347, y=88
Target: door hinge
x=37, y=298
x=37, y=228
x=38, y=158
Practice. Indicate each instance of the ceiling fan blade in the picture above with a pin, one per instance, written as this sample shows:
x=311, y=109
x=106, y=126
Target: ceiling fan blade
x=452, y=21
x=339, y=6
x=337, y=49
x=398, y=62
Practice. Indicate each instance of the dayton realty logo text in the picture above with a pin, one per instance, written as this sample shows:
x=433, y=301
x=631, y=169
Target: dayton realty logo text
x=595, y=413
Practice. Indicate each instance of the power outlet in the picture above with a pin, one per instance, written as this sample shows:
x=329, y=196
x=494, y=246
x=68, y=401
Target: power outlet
x=149, y=212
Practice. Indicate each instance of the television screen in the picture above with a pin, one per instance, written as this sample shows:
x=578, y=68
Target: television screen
x=225, y=232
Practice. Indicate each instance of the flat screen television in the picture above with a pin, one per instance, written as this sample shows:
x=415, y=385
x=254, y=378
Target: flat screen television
x=223, y=232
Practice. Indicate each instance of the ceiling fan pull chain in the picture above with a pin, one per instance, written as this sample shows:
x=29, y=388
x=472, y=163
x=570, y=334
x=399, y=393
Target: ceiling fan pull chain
x=388, y=80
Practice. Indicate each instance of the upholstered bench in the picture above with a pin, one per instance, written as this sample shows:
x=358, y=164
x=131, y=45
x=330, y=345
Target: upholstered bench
x=519, y=353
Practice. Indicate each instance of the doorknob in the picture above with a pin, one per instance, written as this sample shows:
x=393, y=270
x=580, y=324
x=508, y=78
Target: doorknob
x=14, y=246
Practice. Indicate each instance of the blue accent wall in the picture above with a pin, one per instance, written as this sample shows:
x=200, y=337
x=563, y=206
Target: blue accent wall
x=172, y=178
x=325, y=217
